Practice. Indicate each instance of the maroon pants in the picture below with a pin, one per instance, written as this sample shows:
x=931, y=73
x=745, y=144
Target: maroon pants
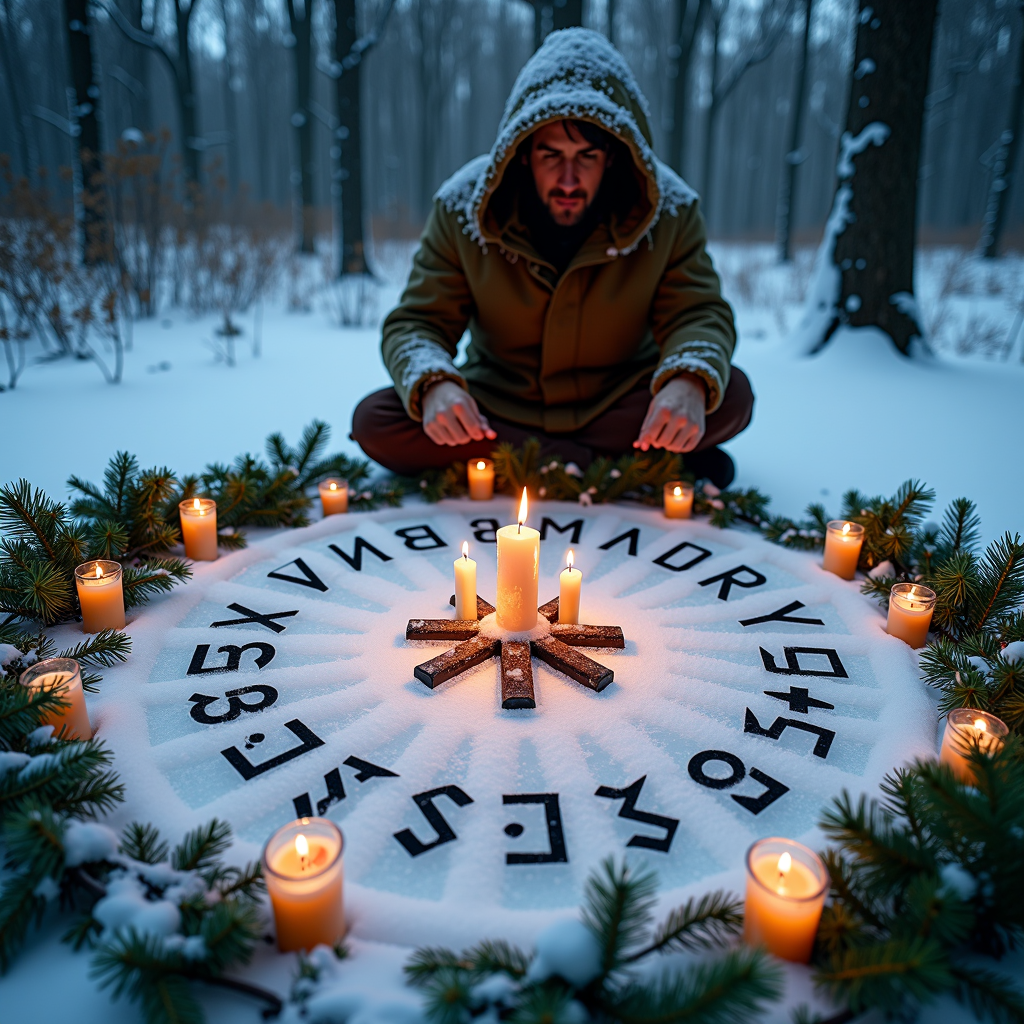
x=384, y=431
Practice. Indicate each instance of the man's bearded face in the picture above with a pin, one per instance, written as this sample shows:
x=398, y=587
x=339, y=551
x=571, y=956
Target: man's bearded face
x=567, y=171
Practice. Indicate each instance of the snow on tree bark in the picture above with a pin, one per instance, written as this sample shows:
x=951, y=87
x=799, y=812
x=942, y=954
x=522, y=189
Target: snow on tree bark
x=864, y=275
x=301, y=23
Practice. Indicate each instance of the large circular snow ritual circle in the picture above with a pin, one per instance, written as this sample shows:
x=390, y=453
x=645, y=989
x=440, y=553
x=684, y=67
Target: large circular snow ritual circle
x=753, y=688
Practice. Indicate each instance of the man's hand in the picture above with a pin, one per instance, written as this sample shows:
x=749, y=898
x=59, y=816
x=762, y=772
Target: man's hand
x=675, y=417
x=451, y=416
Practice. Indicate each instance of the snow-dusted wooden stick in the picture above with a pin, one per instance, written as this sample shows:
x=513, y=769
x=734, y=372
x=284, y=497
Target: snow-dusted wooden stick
x=458, y=659
x=516, y=675
x=588, y=636
x=482, y=607
x=564, y=659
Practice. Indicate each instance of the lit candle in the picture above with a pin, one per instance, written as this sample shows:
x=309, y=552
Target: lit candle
x=480, y=473
x=963, y=727
x=63, y=675
x=910, y=613
x=333, y=496
x=465, y=585
x=786, y=887
x=518, y=565
x=678, y=500
x=303, y=869
x=843, y=541
x=570, y=583
x=199, y=528
x=100, y=595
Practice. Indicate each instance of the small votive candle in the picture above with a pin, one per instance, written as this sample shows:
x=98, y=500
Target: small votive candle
x=199, y=528
x=100, y=595
x=910, y=613
x=480, y=475
x=570, y=584
x=465, y=585
x=303, y=868
x=963, y=726
x=678, y=500
x=843, y=542
x=786, y=888
x=64, y=676
x=333, y=496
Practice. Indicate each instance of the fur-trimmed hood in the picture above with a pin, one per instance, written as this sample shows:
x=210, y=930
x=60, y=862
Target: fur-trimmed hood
x=575, y=74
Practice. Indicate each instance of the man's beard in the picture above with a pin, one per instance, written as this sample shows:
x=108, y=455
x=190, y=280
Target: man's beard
x=559, y=215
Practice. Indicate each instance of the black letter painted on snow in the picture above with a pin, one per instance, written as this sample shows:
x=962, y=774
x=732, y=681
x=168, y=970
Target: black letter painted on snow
x=356, y=558
x=248, y=770
x=310, y=578
x=837, y=670
x=576, y=526
x=485, y=530
x=629, y=797
x=799, y=700
x=263, y=618
x=773, y=790
x=335, y=793
x=775, y=730
x=633, y=536
x=414, y=535
x=783, y=615
x=662, y=560
x=234, y=653
x=730, y=578
x=445, y=833
x=556, y=853
x=200, y=702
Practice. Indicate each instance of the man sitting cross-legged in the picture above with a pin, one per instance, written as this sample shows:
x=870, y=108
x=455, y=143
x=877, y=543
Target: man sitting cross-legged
x=577, y=260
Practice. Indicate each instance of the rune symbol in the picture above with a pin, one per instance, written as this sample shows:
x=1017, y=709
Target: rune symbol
x=555, y=649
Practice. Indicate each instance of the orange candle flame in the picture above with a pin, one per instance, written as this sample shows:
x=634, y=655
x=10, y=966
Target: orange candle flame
x=522, y=510
x=846, y=528
x=99, y=571
x=569, y=560
x=481, y=465
x=678, y=492
x=465, y=549
x=981, y=725
x=334, y=486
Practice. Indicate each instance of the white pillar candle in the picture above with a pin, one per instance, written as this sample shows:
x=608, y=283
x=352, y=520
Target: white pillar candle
x=678, y=499
x=480, y=476
x=910, y=613
x=333, y=496
x=518, y=567
x=786, y=887
x=100, y=595
x=963, y=727
x=570, y=583
x=63, y=675
x=303, y=867
x=843, y=542
x=199, y=528
x=465, y=585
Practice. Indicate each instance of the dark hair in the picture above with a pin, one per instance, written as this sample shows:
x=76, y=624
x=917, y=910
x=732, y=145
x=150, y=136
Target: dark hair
x=592, y=133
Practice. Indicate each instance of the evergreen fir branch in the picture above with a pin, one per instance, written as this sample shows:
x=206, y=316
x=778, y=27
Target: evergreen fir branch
x=142, y=842
x=21, y=711
x=618, y=902
x=106, y=648
x=20, y=908
x=34, y=836
x=493, y=956
x=990, y=996
x=157, y=577
x=960, y=527
x=546, y=1004
x=1001, y=587
x=230, y=930
x=244, y=883
x=891, y=976
x=732, y=989
x=447, y=996
x=26, y=513
x=201, y=847
x=427, y=961
x=709, y=921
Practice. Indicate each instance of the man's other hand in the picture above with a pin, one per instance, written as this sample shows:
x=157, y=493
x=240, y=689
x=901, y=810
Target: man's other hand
x=675, y=417
x=451, y=416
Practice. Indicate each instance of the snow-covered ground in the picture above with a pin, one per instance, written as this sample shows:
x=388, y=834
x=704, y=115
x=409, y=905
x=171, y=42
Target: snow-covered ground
x=856, y=416
x=859, y=415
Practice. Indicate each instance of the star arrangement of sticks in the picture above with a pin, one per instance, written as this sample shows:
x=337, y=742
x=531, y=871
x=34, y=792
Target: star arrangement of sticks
x=556, y=650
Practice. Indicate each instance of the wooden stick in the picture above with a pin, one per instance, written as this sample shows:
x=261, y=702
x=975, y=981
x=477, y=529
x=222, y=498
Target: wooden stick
x=516, y=675
x=564, y=659
x=550, y=610
x=589, y=636
x=482, y=607
x=457, y=660
x=441, y=629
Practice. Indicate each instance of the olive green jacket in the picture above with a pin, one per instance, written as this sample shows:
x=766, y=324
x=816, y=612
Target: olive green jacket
x=552, y=352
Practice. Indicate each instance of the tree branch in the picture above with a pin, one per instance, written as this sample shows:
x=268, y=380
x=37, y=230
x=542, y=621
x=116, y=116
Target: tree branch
x=274, y=1002
x=771, y=25
x=362, y=45
x=135, y=35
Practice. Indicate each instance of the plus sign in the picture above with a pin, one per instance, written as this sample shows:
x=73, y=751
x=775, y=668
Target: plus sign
x=798, y=700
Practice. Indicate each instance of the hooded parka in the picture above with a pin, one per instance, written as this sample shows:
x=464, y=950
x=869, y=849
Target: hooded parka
x=551, y=351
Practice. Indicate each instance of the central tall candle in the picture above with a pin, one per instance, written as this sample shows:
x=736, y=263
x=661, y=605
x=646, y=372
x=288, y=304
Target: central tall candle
x=786, y=887
x=465, y=585
x=518, y=568
x=199, y=528
x=100, y=595
x=304, y=871
x=64, y=676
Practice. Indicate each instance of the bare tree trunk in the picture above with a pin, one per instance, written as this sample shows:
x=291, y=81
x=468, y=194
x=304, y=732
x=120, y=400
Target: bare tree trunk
x=712, y=116
x=302, y=32
x=689, y=14
x=1004, y=164
x=612, y=12
x=185, y=94
x=95, y=238
x=230, y=101
x=874, y=219
x=794, y=157
x=24, y=128
x=352, y=254
x=566, y=14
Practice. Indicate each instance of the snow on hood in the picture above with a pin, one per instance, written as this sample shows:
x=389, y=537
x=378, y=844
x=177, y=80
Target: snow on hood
x=575, y=74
